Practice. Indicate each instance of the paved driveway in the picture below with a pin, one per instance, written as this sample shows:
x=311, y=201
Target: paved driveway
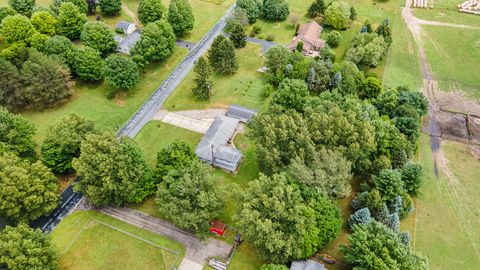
x=196, y=253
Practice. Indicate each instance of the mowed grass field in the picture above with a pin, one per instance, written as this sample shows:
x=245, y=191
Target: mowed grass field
x=91, y=240
x=446, y=223
x=447, y=11
x=454, y=55
x=245, y=87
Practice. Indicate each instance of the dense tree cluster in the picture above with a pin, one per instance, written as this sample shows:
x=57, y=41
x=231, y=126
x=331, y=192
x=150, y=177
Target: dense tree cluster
x=113, y=172
x=284, y=222
x=337, y=15
x=23, y=7
x=275, y=10
x=374, y=246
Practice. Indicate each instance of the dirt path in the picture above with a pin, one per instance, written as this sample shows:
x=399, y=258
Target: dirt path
x=431, y=91
x=131, y=14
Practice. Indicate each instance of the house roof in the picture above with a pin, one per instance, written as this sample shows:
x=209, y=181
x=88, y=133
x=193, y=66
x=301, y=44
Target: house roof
x=309, y=34
x=219, y=134
x=218, y=225
x=124, y=25
x=127, y=43
x=241, y=113
x=307, y=265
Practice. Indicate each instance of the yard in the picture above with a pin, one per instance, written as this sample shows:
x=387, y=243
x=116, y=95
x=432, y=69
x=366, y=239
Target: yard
x=90, y=240
x=245, y=87
x=446, y=227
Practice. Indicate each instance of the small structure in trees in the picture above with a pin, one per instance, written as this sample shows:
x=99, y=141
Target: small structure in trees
x=307, y=265
x=309, y=35
x=127, y=27
x=218, y=227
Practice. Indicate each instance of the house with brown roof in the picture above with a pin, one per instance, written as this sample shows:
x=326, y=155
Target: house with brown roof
x=309, y=34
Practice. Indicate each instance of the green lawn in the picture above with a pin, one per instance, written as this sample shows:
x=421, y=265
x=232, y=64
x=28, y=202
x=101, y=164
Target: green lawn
x=446, y=227
x=91, y=240
x=206, y=14
x=454, y=55
x=157, y=135
x=89, y=100
x=245, y=87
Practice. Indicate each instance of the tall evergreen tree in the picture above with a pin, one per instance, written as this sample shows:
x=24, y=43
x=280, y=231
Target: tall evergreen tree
x=317, y=8
x=150, y=11
x=24, y=7
x=110, y=7
x=180, y=17
x=71, y=20
x=238, y=36
x=222, y=56
x=11, y=88
x=203, y=84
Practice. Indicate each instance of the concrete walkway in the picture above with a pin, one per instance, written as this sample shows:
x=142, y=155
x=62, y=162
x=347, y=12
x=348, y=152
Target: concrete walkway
x=197, y=125
x=196, y=252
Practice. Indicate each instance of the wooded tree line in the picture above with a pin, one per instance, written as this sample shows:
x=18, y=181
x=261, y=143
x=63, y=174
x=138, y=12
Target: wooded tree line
x=25, y=27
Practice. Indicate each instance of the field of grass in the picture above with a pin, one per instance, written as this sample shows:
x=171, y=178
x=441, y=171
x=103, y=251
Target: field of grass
x=446, y=227
x=447, y=11
x=454, y=55
x=89, y=100
x=157, y=135
x=245, y=87
x=206, y=14
x=90, y=240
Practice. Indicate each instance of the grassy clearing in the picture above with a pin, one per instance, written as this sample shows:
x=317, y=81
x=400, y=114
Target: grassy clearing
x=245, y=87
x=89, y=100
x=446, y=227
x=460, y=48
x=447, y=11
x=84, y=243
x=157, y=135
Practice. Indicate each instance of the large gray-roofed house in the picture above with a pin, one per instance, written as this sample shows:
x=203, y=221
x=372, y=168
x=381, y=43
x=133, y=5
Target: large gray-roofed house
x=241, y=113
x=215, y=147
x=307, y=265
x=126, y=44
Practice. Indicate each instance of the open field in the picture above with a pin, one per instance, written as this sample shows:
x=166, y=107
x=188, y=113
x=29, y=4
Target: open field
x=454, y=55
x=90, y=240
x=447, y=11
x=446, y=227
x=89, y=100
x=245, y=87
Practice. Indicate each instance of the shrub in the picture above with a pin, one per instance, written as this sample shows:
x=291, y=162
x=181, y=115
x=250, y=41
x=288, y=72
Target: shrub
x=23, y=7
x=393, y=222
x=44, y=22
x=405, y=238
x=270, y=37
x=334, y=38
x=16, y=28
x=110, y=7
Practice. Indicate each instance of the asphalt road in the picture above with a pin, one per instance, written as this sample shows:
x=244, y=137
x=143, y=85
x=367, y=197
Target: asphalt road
x=156, y=100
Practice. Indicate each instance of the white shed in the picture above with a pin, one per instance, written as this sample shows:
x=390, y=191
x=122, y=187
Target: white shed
x=128, y=28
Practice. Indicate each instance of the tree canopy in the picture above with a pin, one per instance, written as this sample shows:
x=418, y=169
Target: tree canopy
x=282, y=223
x=374, y=246
x=98, y=36
x=45, y=23
x=27, y=190
x=252, y=9
x=291, y=94
x=23, y=7
x=110, y=7
x=367, y=49
x=62, y=142
x=150, y=11
x=24, y=248
x=16, y=28
x=203, y=85
x=71, y=20
x=189, y=197
x=221, y=55
x=180, y=17
x=156, y=43
x=16, y=134
x=275, y=10
x=337, y=15
x=88, y=64
x=121, y=72
x=113, y=172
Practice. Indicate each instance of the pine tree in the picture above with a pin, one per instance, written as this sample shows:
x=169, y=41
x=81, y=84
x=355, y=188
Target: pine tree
x=317, y=8
x=353, y=13
x=222, y=56
x=300, y=46
x=238, y=36
x=203, y=87
x=385, y=31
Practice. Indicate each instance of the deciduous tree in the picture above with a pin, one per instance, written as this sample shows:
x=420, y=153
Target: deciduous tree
x=275, y=10
x=81, y=4
x=252, y=8
x=11, y=86
x=5, y=12
x=110, y=7
x=367, y=49
x=334, y=38
x=71, y=20
x=180, y=17
x=271, y=207
x=62, y=142
x=121, y=72
x=16, y=28
x=189, y=197
x=412, y=177
x=156, y=43
x=113, y=172
x=176, y=155
x=291, y=94
x=24, y=248
x=97, y=35
x=317, y=8
x=88, y=64
x=238, y=36
x=45, y=23
x=150, y=11
x=27, y=190
x=16, y=134
x=337, y=15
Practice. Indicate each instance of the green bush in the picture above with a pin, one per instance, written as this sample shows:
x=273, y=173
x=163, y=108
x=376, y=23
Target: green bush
x=334, y=38
x=270, y=37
